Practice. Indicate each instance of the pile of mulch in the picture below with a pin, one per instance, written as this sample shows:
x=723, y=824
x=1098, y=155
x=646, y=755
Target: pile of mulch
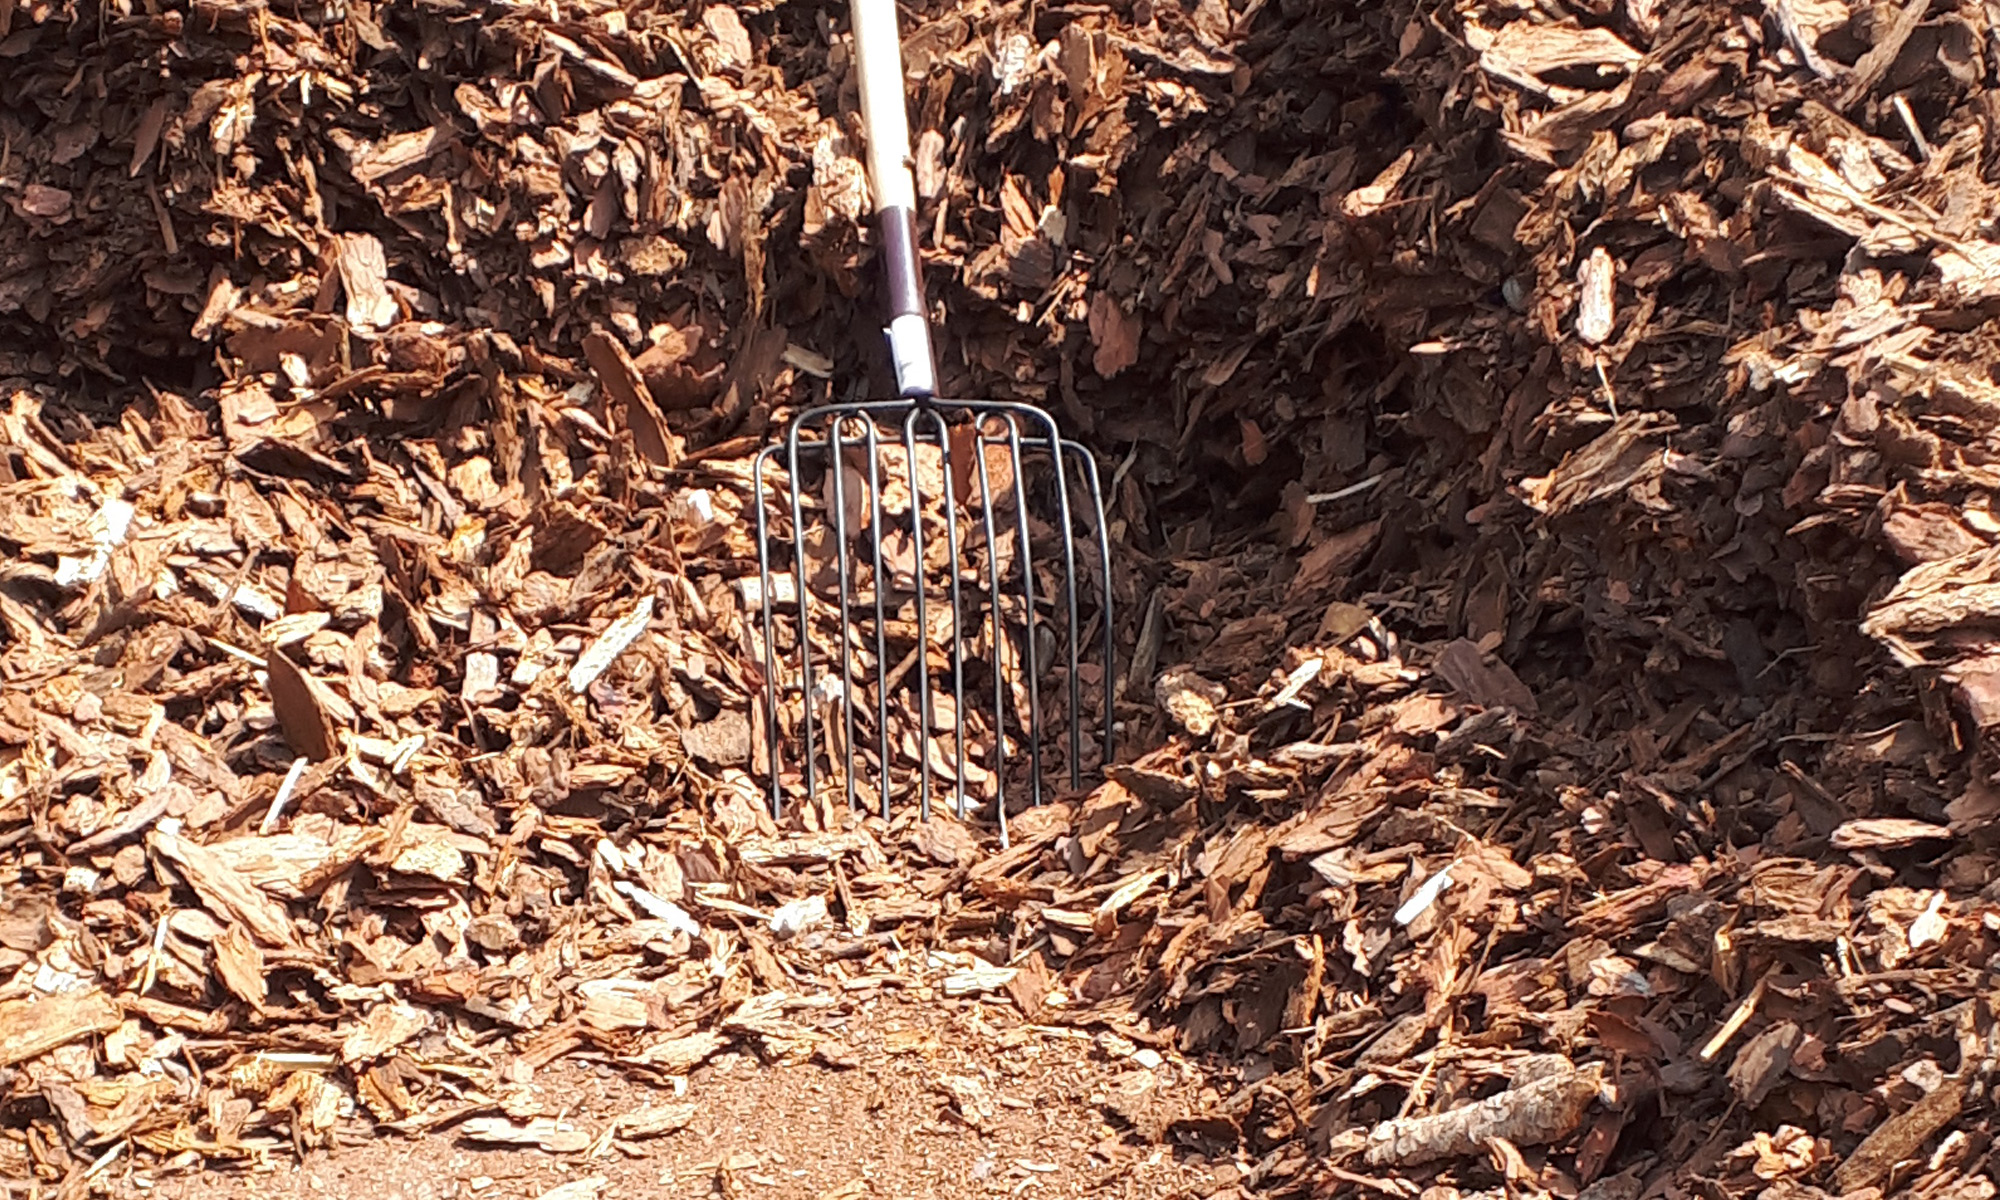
x=1550, y=494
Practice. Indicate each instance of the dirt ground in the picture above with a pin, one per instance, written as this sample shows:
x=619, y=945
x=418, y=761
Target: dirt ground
x=883, y=1127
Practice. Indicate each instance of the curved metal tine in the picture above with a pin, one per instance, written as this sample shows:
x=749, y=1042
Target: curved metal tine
x=923, y=618
x=999, y=632
x=1026, y=561
x=837, y=438
x=881, y=617
x=768, y=600
x=1056, y=446
x=805, y=612
x=948, y=505
x=1103, y=539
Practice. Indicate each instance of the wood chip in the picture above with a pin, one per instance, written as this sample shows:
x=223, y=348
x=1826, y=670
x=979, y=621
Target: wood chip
x=34, y=1026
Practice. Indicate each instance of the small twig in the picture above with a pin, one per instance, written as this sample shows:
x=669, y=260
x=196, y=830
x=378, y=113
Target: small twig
x=1352, y=489
x=1745, y=1008
x=1910, y=123
x=207, y=623
x=285, y=790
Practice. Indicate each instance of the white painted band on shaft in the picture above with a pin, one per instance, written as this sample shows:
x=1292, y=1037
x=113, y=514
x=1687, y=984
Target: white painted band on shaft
x=910, y=346
x=879, y=59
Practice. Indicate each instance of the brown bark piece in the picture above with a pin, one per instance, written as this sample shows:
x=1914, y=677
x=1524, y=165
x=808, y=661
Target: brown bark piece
x=620, y=378
x=364, y=276
x=302, y=714
x=225, y=891
x=1115, y=333
x=240, y=965
x=1871, y=66
x=29, y=1028
x=1466, y=669
x=1762, y=1061
x=1900, y=1136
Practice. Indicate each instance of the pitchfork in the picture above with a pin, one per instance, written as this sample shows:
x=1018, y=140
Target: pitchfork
x=906, y=618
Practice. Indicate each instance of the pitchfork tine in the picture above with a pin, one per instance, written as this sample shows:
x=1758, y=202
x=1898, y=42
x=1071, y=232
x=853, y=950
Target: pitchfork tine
x=998, y=634
x=923, y=618
x=881, y=617
x=767, y=601
x=949, y=503
x=1103, y=537
x=800, y=587
x=1056, y=447
x=843, y=649
x=1031, y=667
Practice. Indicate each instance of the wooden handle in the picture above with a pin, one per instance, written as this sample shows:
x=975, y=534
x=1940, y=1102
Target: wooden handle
x=878, y=55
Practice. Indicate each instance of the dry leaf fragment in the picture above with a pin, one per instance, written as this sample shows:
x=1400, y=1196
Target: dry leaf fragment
x=1789, y=1151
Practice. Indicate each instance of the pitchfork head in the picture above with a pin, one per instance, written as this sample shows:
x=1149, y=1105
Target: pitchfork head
x=925, y=611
